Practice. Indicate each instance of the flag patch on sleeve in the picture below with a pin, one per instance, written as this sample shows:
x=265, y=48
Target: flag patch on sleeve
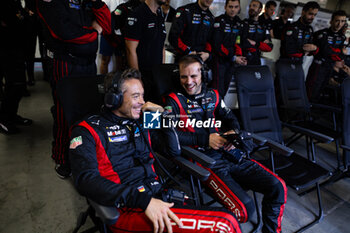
x=75, y=142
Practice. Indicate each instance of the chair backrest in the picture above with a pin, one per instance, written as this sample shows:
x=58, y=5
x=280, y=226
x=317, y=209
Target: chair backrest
x=257, y=104
x=79, y=96
x=346, y=117
x=291, y=84
x=165, y=79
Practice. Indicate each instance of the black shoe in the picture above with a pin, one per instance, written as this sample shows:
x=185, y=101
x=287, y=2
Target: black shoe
x=8, y=128
x=22, y=121
x=63, y=171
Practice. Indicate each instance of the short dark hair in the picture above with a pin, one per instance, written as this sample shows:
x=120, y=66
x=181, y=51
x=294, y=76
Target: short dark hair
x=117, y=80
x=270, y=3
x=260, y=4
x=190, y=59
x=227, y=1
x=311, y=5
x=338, y=13
x=288, y=5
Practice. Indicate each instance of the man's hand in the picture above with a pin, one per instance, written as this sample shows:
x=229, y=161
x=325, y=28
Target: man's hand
x=252, y=42
x=309, y=47
x=160, y=214
x=96, y=26
x=216, y=141
x=346, y=69
x=151, y=107
x=204, y=55
x=228, y=146
x=240, y=60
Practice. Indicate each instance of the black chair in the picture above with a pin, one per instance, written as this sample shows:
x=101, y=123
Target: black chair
x=259, y=115
x=83, y=95
x=296, y=108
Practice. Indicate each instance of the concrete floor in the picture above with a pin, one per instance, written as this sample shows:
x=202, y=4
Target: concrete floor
x=34, y=200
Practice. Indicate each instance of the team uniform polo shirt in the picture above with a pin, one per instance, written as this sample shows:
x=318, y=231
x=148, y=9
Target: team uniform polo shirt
x=149, y=30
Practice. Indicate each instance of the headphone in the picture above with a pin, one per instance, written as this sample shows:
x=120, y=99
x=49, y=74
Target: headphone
x=204, y=71
x=114, y=95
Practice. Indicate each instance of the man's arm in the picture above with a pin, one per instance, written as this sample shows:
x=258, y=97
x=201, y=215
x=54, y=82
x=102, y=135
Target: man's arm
x=61, y=25
x=266, y=45
x=131, y=53
x=177, y=28
x=92, y=181
x=103, y=16
x=187, y=138
x=222, y=112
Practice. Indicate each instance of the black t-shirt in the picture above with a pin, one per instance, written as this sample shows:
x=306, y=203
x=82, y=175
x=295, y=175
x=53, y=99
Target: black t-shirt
x=148, y=29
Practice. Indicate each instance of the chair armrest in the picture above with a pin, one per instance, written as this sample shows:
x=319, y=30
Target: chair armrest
x=108, y=214
x=199, y=172
x=327, y=107
x=198, y=156
x=315, y=135
x=258, y=140
x=279, y=148
x=345, y=147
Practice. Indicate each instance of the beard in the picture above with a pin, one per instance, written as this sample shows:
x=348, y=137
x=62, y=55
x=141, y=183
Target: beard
x=252, y=13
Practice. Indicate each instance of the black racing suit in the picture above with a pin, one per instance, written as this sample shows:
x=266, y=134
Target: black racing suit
x=191, y=30
x=73, y=41
x=278, y=26
x=256, y=31
x=294, y=37
x=330, y=46
x=112, y=164
x=229, y=178
x=225, y=43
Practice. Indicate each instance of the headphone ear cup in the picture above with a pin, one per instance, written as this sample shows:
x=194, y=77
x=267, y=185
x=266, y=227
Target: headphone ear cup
x=113, y=100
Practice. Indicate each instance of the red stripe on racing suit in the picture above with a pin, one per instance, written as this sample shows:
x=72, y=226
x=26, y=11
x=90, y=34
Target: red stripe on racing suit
x=104, y=164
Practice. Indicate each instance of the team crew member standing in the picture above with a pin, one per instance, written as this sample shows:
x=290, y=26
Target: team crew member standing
x=279, y=24
x=195, y=102
x=226, y=36
x=144, y=37
x=73, y=34
x=255, y=36
x=191, y=29
x=330, y=41
x=297, y=39
x=12, y=65
x=265, y=18
x=112, y=164
x=119, y=18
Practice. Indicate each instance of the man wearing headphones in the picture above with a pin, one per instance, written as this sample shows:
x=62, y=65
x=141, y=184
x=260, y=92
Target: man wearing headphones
x=207, y=121
x=112, y=164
